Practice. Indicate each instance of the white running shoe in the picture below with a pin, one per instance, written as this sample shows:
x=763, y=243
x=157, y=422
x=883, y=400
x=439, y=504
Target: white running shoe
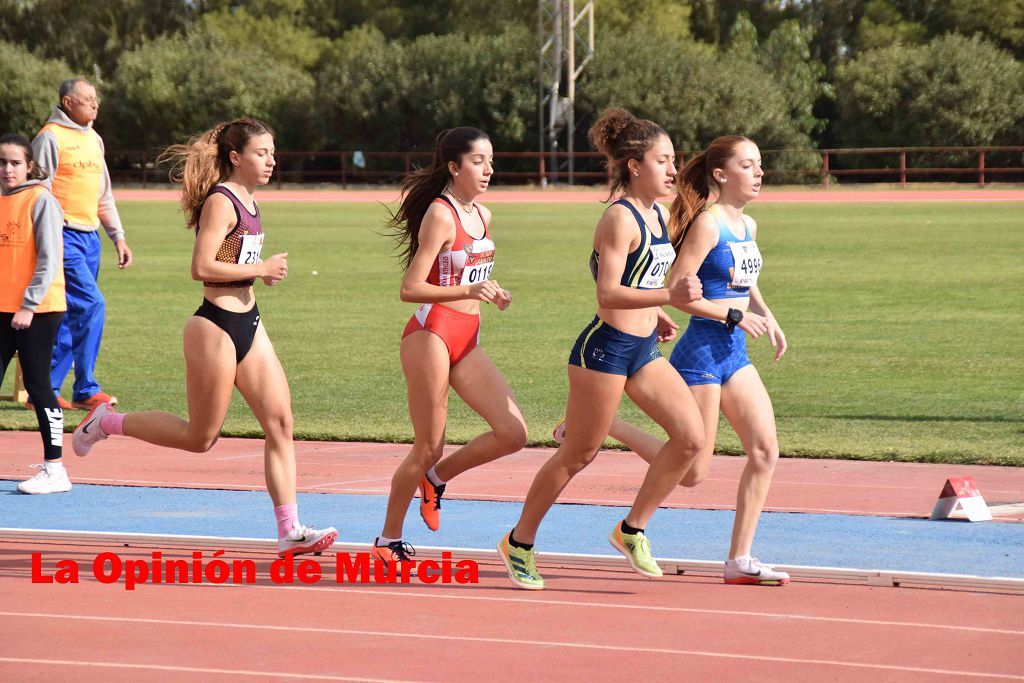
x=88, y=431
x=558, y=434
x=750, y=570
x=305, y=539
x=49, y=479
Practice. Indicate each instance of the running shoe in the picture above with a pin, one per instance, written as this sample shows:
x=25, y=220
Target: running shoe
x=750, y=570
x=306, y=539
x=94, y=400
x=558, y=433
x=430, y=503
x=521, y=565
x=397, y=551
x=47, y=480
x=62, y=403
x=88, y=433
x=637, y=550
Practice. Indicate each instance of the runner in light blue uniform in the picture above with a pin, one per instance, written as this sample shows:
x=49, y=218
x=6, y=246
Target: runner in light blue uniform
x=718, y=241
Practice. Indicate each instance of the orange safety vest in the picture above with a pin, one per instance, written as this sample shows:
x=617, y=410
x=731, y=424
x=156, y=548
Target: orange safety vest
x=18, y=254
x=78, y=178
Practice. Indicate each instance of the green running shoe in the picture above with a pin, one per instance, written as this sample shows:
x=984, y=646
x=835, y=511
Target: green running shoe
x=637, y=550
x=521, y=565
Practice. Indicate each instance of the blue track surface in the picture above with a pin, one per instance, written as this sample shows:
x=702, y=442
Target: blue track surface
x=987, y=549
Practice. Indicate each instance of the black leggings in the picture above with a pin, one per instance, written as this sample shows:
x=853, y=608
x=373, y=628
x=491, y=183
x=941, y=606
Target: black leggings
x=35, y=350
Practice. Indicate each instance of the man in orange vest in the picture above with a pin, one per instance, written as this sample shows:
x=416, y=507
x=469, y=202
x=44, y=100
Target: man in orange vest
x=71, y=153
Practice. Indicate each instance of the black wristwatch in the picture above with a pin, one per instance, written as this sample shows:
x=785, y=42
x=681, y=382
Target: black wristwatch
x=733, y=318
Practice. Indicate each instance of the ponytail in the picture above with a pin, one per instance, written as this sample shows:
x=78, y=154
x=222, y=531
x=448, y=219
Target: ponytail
x=205, y=160
x=422, y=186
x=693, y=186
x=692, y=192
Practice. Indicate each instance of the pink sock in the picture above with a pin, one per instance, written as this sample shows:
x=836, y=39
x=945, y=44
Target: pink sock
x=112, y=424
x=287, y=515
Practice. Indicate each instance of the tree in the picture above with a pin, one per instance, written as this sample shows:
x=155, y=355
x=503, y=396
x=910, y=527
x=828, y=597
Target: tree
x=693, y=91
x=952, y=91
x=90, y=36
x=25, y=101
x=175, y=87
x=391, y=95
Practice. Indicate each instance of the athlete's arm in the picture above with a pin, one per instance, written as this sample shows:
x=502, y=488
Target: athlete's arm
x=437, y=234
x=615, y=236
x=504, y=298
x=758, y=305
x=216, y=221
x=700, y=240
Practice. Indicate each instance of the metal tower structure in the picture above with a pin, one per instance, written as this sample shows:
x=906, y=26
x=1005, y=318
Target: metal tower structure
x=566, y=40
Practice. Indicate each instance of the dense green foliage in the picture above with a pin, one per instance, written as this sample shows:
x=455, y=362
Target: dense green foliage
x=387, y=74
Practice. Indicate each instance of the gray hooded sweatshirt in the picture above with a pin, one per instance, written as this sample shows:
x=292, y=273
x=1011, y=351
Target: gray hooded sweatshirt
x=44, y=148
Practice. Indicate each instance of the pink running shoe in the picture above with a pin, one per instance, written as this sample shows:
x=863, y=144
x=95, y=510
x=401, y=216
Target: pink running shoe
x=88, y=431
x=304, y=539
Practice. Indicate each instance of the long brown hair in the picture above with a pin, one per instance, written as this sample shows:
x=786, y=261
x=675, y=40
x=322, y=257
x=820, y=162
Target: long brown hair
x=423, y=185
x=205, y=160
x=693, y=185
x=620, y=136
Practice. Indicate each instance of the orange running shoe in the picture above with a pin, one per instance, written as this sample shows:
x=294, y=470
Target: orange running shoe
x=430, y=503
x=94, y=400
x=62, y=403
x=396, y=551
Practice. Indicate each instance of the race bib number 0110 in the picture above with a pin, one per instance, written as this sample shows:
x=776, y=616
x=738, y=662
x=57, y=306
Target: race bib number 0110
x=252, y=245
x=478, y=268
x=747, y=263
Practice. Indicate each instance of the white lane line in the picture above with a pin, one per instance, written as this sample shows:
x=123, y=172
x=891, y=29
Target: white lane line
x=516, y=641
x=194, y=669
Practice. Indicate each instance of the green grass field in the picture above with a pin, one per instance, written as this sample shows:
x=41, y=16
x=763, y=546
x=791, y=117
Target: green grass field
x=904, y=323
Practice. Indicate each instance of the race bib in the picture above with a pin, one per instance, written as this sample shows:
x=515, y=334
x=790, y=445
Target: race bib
x=252, y=245
x=478, y=268
x=747, y=263
x=662, y=257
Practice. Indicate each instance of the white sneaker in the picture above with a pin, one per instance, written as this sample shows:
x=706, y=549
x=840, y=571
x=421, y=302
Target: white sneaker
x=750, y=570
x=558, y=434
x=88, y=433
x=305, y=539
x=49, y=479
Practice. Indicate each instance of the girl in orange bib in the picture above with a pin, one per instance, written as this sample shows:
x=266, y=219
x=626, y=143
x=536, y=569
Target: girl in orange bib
x=32, y=300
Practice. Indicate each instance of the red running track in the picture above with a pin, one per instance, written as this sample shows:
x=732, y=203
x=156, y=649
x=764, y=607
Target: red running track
x=800, y=485
x=587, y=626
x=594, y=195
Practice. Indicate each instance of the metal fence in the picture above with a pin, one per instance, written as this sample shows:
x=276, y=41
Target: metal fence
x=900, y=165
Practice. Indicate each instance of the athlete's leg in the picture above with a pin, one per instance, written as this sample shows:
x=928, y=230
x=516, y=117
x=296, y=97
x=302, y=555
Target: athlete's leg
x=262, y=382
x=593, y=400
x=659, y=391
x=635, y=439
x=747, y=406
x=35, y=345
x=479, y=383
x=209, y=379
x=425, y=363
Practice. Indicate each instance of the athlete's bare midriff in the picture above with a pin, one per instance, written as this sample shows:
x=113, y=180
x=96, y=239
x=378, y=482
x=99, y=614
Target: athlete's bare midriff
x=234, y=299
